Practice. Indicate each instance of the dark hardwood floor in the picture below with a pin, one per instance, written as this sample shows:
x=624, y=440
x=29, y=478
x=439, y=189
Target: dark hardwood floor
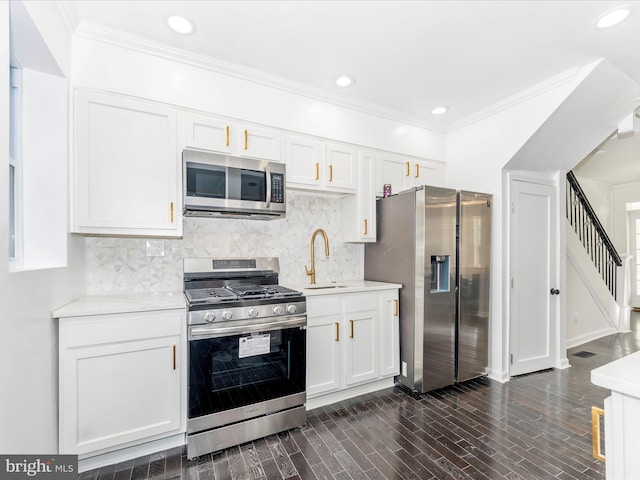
x=537, y=426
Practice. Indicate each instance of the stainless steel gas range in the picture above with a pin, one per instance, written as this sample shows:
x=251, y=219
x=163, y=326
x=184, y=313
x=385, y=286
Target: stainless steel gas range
x=247, y=352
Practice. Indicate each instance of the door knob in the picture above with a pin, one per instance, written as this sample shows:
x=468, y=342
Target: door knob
x=555, y=291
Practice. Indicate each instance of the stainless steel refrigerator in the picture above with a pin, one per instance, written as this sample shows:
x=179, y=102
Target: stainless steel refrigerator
x=436, y=242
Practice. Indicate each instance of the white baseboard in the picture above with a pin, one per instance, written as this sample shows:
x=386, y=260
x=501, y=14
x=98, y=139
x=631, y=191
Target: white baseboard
x=588, y=337
x=117, y=456
x=338, y=396
x=502, y=377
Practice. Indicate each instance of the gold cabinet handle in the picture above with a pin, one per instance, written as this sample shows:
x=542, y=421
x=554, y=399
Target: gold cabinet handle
x=331, y=173
x=171, y=211
x=337, y=332
x=174, y=357
x=408, y=169
x=246, y=139
x=596, y=413
x=351, y=322
x=366, y=230
x=228, y=135
x=396, y=305
x=317, y=171
x=417, y=170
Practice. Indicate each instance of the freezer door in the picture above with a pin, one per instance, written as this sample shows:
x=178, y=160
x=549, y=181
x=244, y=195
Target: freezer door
x=474, y=283
x=439, y=321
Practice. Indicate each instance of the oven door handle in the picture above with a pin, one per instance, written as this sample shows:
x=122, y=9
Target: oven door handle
x=196, y=333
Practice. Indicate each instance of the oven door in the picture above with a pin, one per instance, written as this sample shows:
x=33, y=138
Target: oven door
x=237, y=372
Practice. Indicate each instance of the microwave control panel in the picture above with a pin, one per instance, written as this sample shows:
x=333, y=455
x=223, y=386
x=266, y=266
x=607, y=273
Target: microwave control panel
x=277, y=188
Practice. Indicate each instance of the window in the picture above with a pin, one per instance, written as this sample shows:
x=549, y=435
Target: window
x=15, y=123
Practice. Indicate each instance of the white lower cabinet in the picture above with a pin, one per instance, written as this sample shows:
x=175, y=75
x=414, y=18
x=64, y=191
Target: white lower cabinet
x=120, y=380
x=352, y=344
x=622, y=437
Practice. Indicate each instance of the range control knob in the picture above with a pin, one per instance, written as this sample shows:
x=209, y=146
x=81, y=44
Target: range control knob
x=291, y=309
x=209, y=316
x=227, y=315
x=278, y=310
x=253, y=313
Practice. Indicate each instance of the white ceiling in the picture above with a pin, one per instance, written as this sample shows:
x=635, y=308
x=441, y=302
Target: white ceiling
x=407, y=56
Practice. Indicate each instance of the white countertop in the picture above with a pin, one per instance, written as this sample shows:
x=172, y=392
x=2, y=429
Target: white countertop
x=621, y=376
x=121, y=303
x=343, y=287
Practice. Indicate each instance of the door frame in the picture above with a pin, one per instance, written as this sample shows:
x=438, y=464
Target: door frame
x=557, y=181
x=634, y=300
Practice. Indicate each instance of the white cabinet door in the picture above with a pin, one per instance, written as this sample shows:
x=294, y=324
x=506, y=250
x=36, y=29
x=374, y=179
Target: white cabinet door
x=389, y=334
x=121, y=380
x=320, y=166
x=362, y=351
x=123, y=393
x=340, y=168
x=207, y=133
x=404, y=172
x=323, y=345
x=125, y=167
x=392, y=169
x=219, y=134
x=259, y=142
x=359, y=210
x=427, y=172
x=304, y=158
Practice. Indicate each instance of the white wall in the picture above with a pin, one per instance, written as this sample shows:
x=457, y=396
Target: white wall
x=28, y=334
x=175, y=79
x=600, y=195
x=622, y=194
x=476, y=156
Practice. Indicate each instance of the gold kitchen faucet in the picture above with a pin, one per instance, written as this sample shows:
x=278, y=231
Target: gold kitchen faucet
x=312, y=272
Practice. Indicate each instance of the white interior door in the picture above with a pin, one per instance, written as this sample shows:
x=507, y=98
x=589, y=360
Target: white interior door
x=533, y=319
x=634, y=248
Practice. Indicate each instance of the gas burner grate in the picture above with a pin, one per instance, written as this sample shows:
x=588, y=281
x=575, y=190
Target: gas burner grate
x=202, y=295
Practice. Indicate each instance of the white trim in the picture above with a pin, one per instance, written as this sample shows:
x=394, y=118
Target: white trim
x=118, y=456
x=347, y=393
x=588, y=337
x=121, y=39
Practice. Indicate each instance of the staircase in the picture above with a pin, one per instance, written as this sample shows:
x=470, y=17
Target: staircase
x=590, y=232
x=597, y=301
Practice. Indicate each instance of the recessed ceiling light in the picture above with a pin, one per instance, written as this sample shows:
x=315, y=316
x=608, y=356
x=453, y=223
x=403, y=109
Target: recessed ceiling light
x=180, y=25
x=613, y=17
x=439, y=110
x=344, y=81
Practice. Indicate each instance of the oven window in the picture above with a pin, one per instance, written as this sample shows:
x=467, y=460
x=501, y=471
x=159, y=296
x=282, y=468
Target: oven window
x=253, y=186
x=206, y=181
x=239, y=370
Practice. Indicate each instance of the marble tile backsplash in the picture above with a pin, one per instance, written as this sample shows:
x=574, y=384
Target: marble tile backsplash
x=119, y=265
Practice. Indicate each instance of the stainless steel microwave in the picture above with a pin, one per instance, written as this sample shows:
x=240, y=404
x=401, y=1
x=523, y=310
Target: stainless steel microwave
x=217, y=185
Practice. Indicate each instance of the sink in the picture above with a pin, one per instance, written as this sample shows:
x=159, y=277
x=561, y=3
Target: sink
x=320, y=287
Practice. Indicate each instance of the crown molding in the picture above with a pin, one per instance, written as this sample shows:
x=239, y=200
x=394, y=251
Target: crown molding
x=564, y=78
x=100, y=33
x=69, y=14
x=143, y=45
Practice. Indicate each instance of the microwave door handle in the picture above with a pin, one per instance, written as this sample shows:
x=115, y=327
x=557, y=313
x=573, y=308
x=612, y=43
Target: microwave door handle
x=268, y=185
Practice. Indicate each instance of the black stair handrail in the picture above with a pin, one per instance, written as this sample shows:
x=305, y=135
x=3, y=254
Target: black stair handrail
x=591, y=233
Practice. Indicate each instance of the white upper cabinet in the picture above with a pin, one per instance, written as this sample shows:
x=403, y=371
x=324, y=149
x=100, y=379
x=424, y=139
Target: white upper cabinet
x=340, y=168
x=322, y=166
x=359, y=210
x=404, y=172
x=125, y=167
x=208, y=132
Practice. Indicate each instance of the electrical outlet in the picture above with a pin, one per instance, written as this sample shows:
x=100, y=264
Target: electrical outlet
x=404, y=369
